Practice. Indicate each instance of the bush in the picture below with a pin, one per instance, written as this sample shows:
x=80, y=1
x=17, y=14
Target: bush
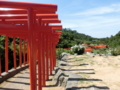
x=100, y=51
x=116, y=51
x=96, y=51
x=61, y=50
x=78, y=50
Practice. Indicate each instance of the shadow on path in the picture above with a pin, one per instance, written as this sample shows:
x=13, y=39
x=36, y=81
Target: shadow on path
x=80, y=65
x=9, y=89
x=22, y=77
x=18, y=82
x=89, y=88
x=78, y=69
x=84, y=79
x=85, y=73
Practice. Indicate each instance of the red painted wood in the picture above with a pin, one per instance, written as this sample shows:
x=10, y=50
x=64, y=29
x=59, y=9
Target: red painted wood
x=20, y=52
x=14, y=51
x=25, y=5
x=32, y=62
x=43, y=59
x=0, y=66
x=39, y=62
x=24, y=52
x=31, y=25
x=6, y=53
x=47, y=58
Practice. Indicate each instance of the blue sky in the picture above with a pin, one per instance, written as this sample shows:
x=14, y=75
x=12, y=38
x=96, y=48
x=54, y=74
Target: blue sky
x=97, y=18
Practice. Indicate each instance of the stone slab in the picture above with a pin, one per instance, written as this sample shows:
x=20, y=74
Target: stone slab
x=72, y=80
x=56, y=76
x=11, y=73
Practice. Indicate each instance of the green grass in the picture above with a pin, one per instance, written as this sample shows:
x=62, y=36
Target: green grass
x=57, y=62
x=85, y=57
x=81, y=81
x=92, y=62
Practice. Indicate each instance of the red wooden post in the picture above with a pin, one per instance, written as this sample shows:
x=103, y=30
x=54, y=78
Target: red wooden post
x=14, y=52
x=31, y=51
x=0, y=66
x=51, y=55
x=45, y=56
x=54, y=63
x=47, y=68
x=20, y=52
x=24, y=52
x=43, y=60
x=27, y=54
x=53, y=52
x=39, y=63
x=6, y=53
x=54, y=47
x=48, y=49
x=34, y=44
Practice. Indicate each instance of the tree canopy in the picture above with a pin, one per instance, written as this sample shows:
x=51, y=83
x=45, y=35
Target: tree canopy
x=71, y=37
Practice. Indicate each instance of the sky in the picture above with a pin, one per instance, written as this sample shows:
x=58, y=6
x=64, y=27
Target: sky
x=97, y=18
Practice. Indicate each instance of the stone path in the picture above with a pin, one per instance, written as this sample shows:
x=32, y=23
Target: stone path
x=21, y=81
x=18, y=82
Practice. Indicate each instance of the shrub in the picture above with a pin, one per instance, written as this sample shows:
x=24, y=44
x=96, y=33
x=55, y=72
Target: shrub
x=96, y=52
x=78, y=50
x=116, y=51
x=100, y=51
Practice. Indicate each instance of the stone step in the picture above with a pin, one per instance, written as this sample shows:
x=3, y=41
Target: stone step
x=51, y=77
x=49, y=83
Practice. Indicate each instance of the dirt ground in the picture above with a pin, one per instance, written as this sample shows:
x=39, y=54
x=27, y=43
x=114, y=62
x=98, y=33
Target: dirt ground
x=97, y=71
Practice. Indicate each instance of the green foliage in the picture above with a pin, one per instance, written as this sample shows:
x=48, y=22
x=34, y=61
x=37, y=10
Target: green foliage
x=61, y=50
x=113, y=41
x=78, y=50
x=96, y=52
x=2, y=49
x=2, y=40
x=87, y=42
x=116, y=51
x=10, y=51
x=100, y=51
x=69, y=38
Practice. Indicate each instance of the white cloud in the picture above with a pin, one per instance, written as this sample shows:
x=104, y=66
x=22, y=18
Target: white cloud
x=100, y=10
x=68, y=25
x=91, y=21
x=96, y=26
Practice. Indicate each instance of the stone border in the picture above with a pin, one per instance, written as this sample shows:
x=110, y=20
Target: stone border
x=11, y=73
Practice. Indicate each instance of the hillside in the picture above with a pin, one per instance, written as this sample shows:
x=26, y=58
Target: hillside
x=113, y=41
x=71, y=37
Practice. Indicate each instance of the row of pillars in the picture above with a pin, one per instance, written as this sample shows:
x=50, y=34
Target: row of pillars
x=30, y=22
x=22, y=54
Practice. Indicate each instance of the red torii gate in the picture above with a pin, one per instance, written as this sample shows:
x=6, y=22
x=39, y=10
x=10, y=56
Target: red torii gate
x=36, y=29
x=20, y=49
